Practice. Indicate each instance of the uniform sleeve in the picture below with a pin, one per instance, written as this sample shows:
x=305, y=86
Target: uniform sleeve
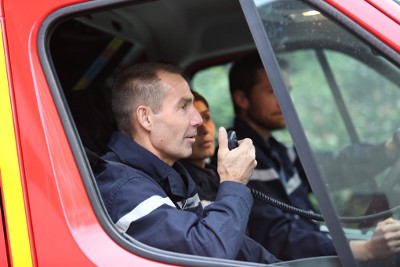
x=142, y=209
x=253, y=251
x=355, y=164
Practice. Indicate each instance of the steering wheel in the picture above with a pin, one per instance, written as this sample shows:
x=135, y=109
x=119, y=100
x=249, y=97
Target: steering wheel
x=393, y=176
x=389, y=182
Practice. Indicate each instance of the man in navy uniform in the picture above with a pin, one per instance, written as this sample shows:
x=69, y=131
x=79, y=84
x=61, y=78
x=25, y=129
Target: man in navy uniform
x=149, y=195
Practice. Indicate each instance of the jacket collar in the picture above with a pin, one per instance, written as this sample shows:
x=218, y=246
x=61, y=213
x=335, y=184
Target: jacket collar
x=243, y=130
x=268, y=151
x=132, y=154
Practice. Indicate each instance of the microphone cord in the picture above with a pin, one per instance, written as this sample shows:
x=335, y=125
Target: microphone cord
x=318, y=217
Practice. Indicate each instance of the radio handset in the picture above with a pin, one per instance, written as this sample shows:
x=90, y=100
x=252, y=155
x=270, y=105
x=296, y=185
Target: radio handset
x=232, y=144
x=232, y=140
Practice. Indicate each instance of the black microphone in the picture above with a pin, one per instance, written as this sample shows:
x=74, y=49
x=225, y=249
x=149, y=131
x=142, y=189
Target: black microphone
x=232, y=140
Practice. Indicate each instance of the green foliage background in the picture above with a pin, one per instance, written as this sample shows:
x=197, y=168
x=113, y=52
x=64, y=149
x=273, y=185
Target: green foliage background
x=371, y=100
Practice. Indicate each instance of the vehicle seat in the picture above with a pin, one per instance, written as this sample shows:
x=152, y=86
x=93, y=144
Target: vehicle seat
x=94, y=121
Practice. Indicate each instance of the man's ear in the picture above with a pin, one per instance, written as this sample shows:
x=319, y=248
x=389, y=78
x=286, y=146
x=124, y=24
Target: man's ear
x=240, y=99
x=144, y=114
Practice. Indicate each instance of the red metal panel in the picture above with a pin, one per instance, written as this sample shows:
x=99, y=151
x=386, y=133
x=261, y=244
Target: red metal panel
x=388, y=7
x=62, y=224
x=372, y=19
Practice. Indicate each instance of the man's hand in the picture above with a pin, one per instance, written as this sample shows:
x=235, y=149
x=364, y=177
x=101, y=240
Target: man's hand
x=235, y=165
x=385, y=241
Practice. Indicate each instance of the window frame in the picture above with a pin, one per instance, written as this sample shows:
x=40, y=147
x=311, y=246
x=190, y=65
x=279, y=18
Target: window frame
x=294, y=125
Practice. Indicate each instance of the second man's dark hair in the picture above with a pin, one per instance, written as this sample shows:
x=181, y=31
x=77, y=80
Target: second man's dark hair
x=243, y=74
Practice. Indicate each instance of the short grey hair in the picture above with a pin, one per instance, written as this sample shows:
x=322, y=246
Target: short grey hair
x=138, y=84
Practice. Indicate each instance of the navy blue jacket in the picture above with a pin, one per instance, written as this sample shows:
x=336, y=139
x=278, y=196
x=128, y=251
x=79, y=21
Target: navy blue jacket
x=279, y=175
x=159, y=206
x=206, y=180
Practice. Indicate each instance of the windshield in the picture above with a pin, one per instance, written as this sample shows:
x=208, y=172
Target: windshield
x=346, y=95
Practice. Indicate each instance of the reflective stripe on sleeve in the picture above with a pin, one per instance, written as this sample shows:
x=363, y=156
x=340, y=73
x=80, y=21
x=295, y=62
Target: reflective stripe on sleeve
x=291, y=153
x=141, y=210
x=264, y=175
x=190, y=203
x=293, y=183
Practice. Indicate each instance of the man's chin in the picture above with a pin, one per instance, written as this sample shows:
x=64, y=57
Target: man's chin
x=277, y=127
x=282, y=126
x=187, y=153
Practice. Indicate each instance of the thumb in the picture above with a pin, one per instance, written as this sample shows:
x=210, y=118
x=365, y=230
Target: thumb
x=222, y=139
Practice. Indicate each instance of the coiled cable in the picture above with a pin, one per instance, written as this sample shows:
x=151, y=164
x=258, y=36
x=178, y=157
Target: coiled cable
x=318, y=217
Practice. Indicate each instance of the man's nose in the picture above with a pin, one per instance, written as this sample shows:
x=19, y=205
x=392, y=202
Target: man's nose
x=276, y=101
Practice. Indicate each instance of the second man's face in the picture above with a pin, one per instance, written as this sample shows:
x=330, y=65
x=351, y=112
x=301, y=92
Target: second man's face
x=263, y=108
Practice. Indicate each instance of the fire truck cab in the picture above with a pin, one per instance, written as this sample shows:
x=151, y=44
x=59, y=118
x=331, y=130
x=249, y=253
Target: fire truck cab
x=58, y=59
